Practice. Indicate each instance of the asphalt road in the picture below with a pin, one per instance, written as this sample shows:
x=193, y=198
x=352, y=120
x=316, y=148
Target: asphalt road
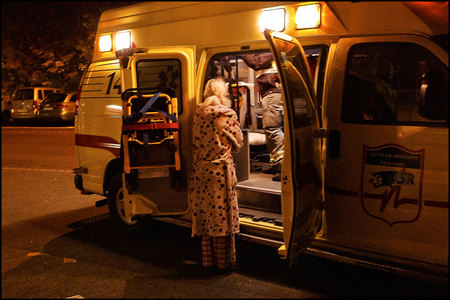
x=57, y=244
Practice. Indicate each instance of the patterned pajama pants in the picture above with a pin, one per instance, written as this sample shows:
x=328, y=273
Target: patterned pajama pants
x=220, y=251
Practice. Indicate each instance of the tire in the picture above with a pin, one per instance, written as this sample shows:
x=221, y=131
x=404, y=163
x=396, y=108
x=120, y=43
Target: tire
x=115, y=205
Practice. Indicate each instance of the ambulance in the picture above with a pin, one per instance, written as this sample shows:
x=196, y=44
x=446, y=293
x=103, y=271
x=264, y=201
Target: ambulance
x=364, y=178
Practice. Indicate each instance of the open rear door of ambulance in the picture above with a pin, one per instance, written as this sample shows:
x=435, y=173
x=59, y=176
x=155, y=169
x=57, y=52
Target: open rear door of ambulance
x=301, y=175
x=157, y=98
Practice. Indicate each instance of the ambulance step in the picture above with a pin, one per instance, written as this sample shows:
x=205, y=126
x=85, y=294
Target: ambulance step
x=101, y=203
x=259, y=200
x=260, y=216
x=260, y=192
x=152, y=167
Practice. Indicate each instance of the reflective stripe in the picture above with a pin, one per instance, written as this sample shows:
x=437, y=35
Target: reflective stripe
x=277, y=157
x=97, y=141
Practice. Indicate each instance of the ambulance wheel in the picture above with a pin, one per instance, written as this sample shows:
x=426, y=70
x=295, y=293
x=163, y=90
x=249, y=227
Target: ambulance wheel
x=116, y=207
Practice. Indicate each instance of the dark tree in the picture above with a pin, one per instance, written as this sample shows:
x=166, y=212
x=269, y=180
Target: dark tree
x=48, y=43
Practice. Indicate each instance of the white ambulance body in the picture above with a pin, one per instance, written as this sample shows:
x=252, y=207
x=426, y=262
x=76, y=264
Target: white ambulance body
x=365, y=168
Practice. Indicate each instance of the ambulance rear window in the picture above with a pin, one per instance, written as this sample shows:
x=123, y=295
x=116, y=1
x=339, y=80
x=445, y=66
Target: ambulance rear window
x=395, y=84
x=160, y=75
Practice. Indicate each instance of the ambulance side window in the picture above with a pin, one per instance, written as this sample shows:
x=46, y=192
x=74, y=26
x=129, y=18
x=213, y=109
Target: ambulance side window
x=395, y=83
x=161, y=75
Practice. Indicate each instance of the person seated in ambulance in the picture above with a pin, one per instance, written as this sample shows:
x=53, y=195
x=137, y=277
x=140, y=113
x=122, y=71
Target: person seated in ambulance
x=272, y=118
x=384, y=79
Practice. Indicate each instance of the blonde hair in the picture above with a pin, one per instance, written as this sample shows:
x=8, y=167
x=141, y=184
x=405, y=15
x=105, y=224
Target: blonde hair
x=216, y=87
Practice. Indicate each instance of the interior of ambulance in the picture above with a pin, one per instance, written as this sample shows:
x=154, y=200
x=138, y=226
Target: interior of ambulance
x=259, y=192
x=258, y=188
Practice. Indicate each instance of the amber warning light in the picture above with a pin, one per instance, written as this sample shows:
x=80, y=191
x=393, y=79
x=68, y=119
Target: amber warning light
x=308, y=16
x=105, y=43
x=122, y=41
x=272, y=19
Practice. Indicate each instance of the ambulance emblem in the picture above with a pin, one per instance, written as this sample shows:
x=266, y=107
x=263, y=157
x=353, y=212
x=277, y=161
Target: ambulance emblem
x=391, y=183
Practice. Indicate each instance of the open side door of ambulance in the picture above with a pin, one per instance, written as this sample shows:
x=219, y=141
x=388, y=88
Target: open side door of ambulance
x=302, y=177
x=158, y=89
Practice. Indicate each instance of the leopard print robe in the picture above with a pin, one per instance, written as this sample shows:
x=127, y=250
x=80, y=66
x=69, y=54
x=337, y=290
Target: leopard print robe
x=216, y=133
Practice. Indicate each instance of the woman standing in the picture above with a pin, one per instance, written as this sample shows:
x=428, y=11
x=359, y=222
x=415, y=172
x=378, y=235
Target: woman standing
x=215, y=215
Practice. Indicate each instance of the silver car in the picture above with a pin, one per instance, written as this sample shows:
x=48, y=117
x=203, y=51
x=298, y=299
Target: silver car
x=25, y=101
x=58, y=107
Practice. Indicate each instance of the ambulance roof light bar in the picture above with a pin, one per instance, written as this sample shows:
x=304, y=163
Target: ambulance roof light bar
x=105, y=43
x=273, y=19
x=123, y=40
x=308, y=16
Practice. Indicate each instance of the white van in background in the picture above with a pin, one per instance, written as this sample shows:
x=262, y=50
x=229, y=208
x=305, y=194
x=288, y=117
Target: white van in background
x=26, y=100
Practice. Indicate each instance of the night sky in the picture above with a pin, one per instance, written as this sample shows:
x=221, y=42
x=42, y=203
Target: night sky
x=48, y=20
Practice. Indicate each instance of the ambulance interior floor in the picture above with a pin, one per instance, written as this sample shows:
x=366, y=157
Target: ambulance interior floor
x=256, y=186
x=260, y=182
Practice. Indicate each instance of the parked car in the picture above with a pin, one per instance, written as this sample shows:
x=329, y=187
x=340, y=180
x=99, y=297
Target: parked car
x=58, y=107
x=25, y=101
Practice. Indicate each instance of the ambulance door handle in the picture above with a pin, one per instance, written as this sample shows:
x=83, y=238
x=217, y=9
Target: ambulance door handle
x=334, y=144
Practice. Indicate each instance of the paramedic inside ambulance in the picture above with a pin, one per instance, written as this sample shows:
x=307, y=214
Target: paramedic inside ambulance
x=272, y=118
x=215, y=215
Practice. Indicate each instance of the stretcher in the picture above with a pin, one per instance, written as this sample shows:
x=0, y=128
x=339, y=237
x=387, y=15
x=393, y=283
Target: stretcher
x=150, y=135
